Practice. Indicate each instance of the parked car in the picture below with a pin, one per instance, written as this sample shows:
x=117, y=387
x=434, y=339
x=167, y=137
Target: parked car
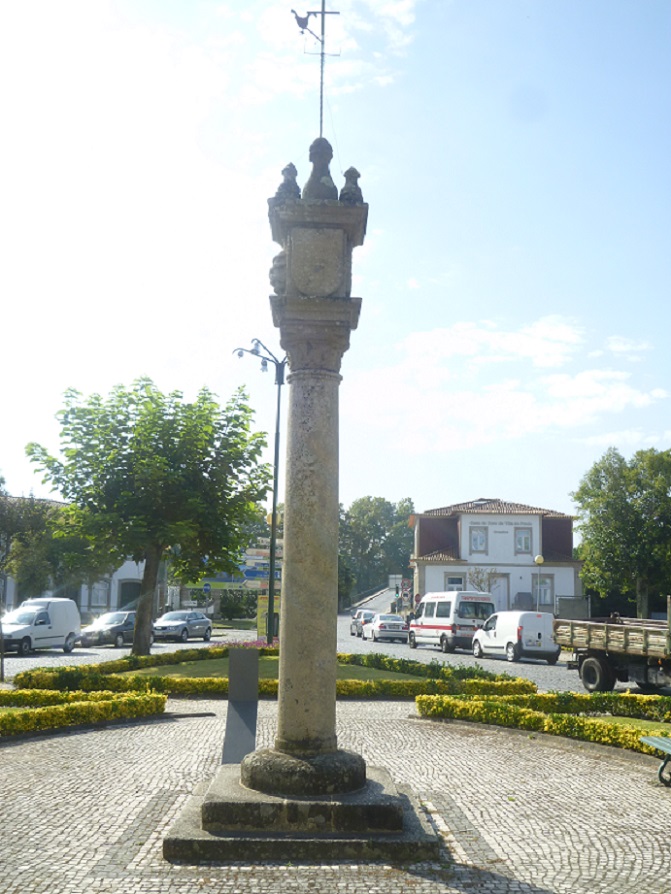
x=116, y=628
x=42, y=623
x=516, y=635
x=360, y=617
x=181, y=625
x=391, y=627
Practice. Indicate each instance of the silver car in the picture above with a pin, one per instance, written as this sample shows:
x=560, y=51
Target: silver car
x=181, y=625
x=359, y=618
x=390, y=627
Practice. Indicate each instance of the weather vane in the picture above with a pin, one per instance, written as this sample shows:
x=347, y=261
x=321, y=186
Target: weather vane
x=303, y=22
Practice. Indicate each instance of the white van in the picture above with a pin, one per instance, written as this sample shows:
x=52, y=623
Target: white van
x=449, y=620
x=44, y=623
x=517, y=635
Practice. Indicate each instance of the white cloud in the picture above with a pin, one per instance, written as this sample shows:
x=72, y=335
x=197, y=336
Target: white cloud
x=455, y=387
x=629, y=439
x=547, y=342
x=628, y=349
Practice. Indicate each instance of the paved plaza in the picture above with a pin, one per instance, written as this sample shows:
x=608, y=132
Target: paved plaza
x=85, y=812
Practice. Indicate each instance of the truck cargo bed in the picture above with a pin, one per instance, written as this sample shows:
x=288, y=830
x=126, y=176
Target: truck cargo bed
x=629, y=636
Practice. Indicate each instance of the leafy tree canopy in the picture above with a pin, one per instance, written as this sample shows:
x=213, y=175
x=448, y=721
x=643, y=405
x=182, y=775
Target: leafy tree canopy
x=375, y=541
x=625, y=511
x=151, y=473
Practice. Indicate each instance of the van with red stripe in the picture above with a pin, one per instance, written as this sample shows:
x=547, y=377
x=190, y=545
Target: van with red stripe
x=449, y=620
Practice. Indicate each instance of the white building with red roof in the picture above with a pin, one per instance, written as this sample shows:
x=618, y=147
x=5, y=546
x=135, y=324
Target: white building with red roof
x=522, y=555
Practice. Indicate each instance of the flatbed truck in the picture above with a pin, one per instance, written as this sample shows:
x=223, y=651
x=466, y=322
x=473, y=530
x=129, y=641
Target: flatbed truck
x=630, y=650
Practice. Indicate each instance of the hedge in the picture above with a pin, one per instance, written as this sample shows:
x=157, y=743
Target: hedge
x=555, y=714
x=98, y=707
x=89, y=679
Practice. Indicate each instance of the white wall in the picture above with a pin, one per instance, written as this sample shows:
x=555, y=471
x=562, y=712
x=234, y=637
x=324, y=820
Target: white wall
x=500, y=538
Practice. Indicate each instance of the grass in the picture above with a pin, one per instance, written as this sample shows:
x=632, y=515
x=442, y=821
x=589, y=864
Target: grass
x=268, y=670
x=649, y=727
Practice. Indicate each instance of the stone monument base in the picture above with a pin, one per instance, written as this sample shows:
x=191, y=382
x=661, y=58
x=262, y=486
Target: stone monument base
x=226, y=822
x=277, y=773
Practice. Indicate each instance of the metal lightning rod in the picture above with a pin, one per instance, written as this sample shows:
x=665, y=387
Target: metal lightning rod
x=302, y=22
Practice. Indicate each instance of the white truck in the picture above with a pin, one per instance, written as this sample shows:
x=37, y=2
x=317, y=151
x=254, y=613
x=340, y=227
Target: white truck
x=630, y=650
x=44, y=623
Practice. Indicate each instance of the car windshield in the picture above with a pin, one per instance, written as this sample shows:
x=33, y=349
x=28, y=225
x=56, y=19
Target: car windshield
x=19, y=616
x=174, y=616
x=108, y=619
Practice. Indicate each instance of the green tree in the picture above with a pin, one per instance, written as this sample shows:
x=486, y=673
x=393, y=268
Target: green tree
x=625, y=512
x=151, y=473
x=375, y=541
x=54, y=551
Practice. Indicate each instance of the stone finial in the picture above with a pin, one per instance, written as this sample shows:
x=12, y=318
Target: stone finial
x=288, y=188
x=351, y=194
x=320, y=185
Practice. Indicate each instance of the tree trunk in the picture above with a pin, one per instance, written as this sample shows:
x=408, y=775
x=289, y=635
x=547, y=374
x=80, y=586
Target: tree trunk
x=145, y=606
x=642, y=599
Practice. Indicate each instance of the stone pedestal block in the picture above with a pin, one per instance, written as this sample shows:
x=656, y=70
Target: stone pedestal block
x=227, y=822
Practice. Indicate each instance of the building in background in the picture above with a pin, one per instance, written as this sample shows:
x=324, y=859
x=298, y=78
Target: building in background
x=522, y=555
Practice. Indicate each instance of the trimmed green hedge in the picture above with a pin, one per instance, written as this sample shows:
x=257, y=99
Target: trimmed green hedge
x=558, y=714
x=90, y=708
x=40, y=698
x=433, y=678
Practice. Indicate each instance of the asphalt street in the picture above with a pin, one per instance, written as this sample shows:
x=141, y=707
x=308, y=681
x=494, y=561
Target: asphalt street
x=557, y=678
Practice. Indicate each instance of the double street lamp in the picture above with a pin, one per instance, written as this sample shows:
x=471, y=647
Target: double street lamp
x=259, y=350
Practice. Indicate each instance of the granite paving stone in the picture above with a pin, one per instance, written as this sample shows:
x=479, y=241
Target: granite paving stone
x=85, y=812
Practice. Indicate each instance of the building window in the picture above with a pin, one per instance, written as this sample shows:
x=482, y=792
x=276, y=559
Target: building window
x=100, y=594
x=523, y=541
x=543, y=590
x=478, y=536
x=452, y=583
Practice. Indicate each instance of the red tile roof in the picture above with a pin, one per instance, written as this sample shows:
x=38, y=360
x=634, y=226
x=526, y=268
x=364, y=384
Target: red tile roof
x=495, y=506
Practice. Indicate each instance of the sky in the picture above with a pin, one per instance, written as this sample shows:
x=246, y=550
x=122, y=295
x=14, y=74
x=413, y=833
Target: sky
x=516, y=273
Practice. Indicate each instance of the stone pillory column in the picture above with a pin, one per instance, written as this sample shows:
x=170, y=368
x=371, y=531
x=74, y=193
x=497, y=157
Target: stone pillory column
x=315, y=314
x=306, y=799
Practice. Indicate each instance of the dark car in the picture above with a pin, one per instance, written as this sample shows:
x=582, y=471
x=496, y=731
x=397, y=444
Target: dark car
x=113, y=627
x=181, y=625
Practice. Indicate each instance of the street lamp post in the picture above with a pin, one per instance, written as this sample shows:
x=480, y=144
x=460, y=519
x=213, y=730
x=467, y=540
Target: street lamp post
x=539, y=561
x=259, y=350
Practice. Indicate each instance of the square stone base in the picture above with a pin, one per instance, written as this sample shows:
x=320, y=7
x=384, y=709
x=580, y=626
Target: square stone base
x=226, y=822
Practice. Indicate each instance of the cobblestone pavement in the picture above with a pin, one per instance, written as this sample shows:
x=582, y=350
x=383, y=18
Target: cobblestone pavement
x=86, y=811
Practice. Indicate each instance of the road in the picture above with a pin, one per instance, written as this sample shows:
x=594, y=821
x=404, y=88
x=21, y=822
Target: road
x=558, y=678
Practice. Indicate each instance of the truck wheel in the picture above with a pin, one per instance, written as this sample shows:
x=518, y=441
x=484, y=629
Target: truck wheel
x=412, y=642
x=445, y=645
x=511, y=652
x=596, y=675
x=477, y=649
x=69, y=643
x=553, y=659
x=24, y=647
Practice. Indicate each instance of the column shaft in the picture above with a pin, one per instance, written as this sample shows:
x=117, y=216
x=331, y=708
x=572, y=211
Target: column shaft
x=307, y=696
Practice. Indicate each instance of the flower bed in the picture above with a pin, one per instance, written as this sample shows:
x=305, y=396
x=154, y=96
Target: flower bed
x=38, y=710
x=432, y=678
x=566, y=714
